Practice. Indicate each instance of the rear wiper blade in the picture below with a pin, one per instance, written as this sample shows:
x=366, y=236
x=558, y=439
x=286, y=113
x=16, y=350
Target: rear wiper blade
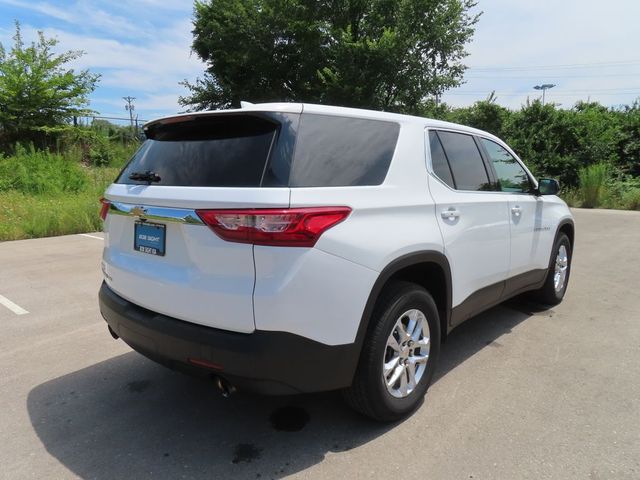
x=147, y=176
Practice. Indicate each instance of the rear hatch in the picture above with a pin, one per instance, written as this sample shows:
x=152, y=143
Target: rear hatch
x=159, y=254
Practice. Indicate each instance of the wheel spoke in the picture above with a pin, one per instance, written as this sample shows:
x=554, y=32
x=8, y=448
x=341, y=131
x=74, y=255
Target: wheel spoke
x=402, y=331
x=390, y=365
x=396, y=374
x=393, y=343
x=417, y=332
x=413, y=323
x=411, y=371
x=418, y=359
x=403, y=383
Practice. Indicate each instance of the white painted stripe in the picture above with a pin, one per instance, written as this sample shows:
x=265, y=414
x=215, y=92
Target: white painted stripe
x=17, y=309
x=90, y=236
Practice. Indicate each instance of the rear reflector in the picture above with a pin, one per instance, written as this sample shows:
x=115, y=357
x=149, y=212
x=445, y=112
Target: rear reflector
x=204, y=363
x=288, y=227
x=104, y=208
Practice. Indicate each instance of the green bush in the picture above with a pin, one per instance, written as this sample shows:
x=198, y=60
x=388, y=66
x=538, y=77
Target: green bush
x=631, y=200
x=24, y=215
x=571, y=196
x=93, y=146
x=40, y=172
x=593, y=180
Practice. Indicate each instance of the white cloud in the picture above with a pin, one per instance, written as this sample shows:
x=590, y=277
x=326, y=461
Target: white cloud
x=548, y=32
x=143, y=48
x=149, y=69
x=85, y=16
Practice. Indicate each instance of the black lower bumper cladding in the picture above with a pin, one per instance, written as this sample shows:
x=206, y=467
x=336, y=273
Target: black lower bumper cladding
x=263, y=361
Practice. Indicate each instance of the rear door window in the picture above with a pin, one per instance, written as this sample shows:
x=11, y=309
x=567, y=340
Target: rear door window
x=336, y=151
x=511, y=176
x=208, y=151
x=439, y=161
x=467, y=166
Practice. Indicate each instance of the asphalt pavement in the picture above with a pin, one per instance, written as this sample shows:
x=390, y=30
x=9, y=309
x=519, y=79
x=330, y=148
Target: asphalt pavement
x=521, y=392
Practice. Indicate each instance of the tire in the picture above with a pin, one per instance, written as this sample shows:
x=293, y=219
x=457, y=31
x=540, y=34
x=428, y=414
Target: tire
x=549, y=294
x=369, y=393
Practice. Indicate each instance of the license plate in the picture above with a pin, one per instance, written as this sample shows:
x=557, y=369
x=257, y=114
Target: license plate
x=149, y=238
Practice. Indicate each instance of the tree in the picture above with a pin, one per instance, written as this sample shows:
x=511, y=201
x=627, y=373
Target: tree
x=485, y=114
x=628, y=147
x=37, y=91
x=382, y=54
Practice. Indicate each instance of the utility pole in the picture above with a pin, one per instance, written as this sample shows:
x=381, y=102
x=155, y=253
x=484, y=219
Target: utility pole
x=130, y=108
x=544, y=87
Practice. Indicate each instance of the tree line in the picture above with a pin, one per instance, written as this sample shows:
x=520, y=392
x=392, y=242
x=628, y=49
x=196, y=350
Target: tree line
x=394, y=55
x=555, y=141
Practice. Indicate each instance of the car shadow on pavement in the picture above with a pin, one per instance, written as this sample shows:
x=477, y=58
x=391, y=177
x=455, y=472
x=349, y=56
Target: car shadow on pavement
x=127, y=417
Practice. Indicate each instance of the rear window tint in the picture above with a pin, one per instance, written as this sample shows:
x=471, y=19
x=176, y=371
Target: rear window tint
x=467, y=166
x=223, y=151
x=336, y=151
x=439, y=160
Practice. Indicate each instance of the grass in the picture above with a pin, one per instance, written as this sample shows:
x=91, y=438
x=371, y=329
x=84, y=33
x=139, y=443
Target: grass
x=45, y=194
x=38, y=172
x=28, y=215
x=593, y=180
x=598, y=190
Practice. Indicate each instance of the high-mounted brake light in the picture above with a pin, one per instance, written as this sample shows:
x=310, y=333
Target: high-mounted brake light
x=288, y=227
x=104, y=208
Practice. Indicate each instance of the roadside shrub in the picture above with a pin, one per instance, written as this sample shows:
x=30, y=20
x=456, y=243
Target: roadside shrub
x=40, y=172
x=24, y=215
x=593, y=181
x=631, y=200
x=571, y=197
x=95, y=146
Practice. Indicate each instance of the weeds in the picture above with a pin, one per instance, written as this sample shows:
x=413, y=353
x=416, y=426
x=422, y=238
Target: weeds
x=593, y=180
x=42, y=209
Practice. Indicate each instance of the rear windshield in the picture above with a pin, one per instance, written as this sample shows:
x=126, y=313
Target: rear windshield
x=224, y=151
x=270, y=150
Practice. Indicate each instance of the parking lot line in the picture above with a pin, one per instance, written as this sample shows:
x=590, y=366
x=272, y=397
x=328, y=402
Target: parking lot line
x=17, y=309
x=90, y=236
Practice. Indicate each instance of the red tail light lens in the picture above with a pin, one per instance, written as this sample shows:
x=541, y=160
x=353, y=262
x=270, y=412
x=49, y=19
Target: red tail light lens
x=104, y=208
x=289, y=227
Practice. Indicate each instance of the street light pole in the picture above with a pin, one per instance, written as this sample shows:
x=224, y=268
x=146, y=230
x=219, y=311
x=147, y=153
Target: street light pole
x=544, y=87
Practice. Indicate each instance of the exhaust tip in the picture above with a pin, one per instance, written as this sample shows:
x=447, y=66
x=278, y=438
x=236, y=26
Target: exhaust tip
x=113, y=334
x=225, y=387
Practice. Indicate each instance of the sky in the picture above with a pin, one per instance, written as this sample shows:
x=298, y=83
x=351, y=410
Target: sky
x=588, y=49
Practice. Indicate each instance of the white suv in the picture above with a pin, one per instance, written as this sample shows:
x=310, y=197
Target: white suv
x=287, y=248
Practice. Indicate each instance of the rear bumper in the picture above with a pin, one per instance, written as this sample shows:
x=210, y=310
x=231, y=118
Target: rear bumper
x=263, y=361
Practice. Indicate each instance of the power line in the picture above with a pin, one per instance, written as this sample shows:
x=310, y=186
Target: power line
x=109, y=118
x=537, y=75
x=621, y=90
x=566, y=94
x=560, y=66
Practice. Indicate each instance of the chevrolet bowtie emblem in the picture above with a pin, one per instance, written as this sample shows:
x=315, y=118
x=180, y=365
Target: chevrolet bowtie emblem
x=139, y=212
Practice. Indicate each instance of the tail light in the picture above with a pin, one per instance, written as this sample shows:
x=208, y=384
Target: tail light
x=104, y=208
x=289, y=227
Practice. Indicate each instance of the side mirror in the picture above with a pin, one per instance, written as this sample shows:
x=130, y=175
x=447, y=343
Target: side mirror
x=548, y=186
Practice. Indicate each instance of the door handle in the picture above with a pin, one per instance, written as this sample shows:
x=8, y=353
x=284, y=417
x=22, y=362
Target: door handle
x=450, y=214
x=516, y=211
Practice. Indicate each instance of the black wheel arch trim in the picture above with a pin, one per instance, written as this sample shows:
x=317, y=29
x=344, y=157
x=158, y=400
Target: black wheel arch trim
x=571, y=223
x=566, y=221
x=400, y=263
